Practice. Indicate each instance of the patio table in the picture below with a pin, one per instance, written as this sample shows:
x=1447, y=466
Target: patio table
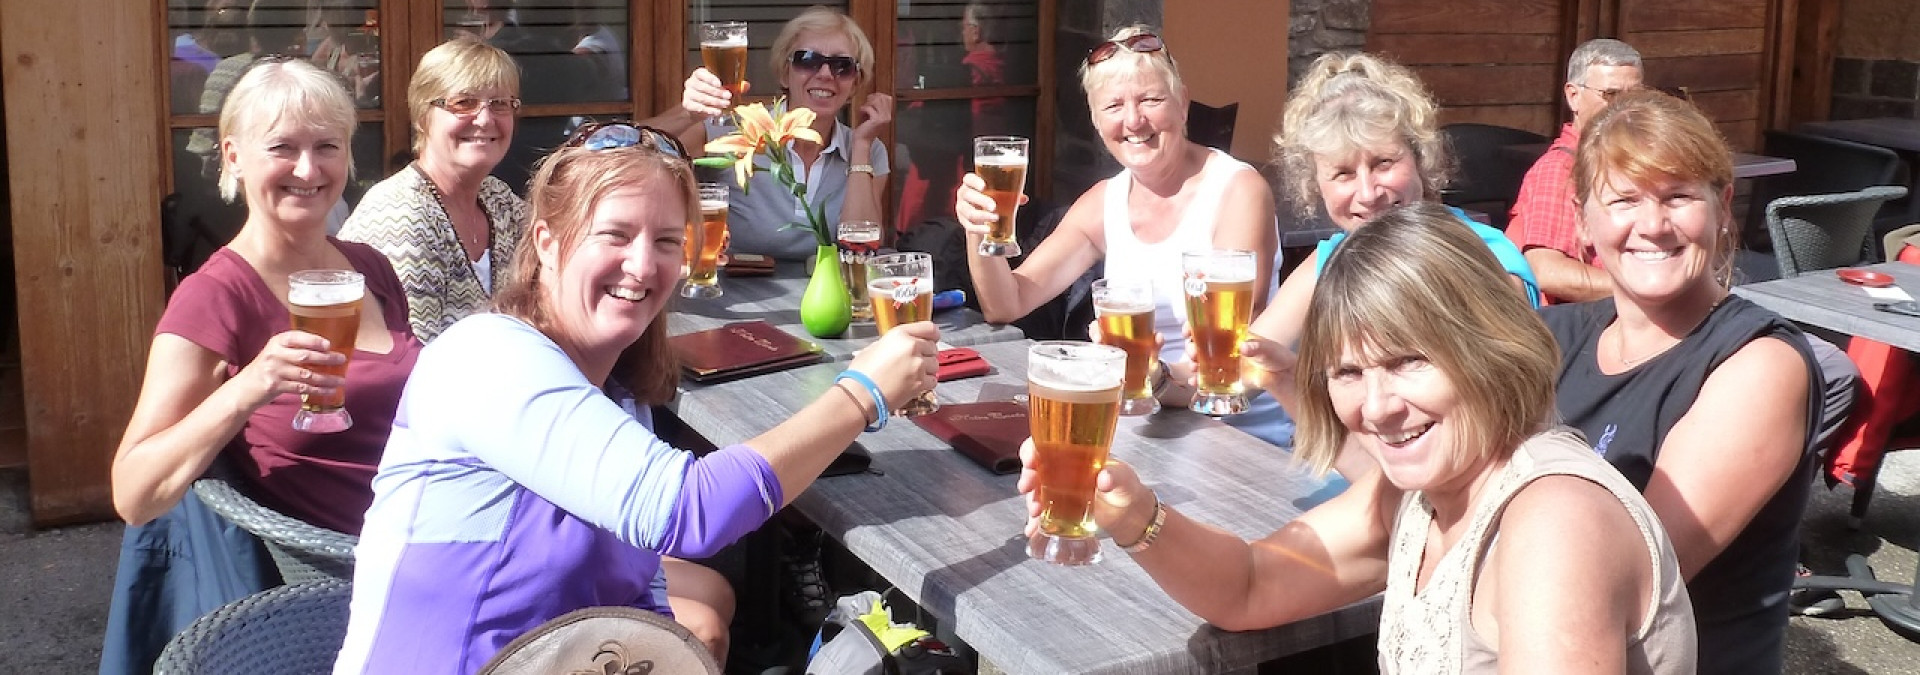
x=776, y=299
x=947, y=533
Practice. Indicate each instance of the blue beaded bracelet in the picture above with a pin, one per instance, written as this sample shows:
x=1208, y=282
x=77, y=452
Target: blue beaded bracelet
x=879, y=399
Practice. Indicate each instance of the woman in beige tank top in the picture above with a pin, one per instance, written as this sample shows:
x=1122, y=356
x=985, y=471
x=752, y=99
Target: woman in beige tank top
x=1501, y=542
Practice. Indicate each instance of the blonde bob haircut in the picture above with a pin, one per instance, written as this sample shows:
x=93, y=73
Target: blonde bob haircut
x=1127, y=64
x=1646, y=137
x=289, y=93
x=1415, y=281
x=457, y=66
x=1350, y=101
x=565, y=190
x=819, y=20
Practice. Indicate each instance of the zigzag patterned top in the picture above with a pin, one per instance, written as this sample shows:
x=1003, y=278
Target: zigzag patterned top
x=399, y=217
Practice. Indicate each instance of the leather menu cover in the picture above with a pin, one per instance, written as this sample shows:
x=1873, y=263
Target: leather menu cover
x=988, y=433
x=741, y=349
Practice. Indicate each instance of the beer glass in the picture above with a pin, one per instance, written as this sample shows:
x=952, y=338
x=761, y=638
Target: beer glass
x=1219, y=289
x=326, y=303
x=1001, y=161
x=858, y=240
x=1073, y=394
x=1125, y=310
x=723, y=50
x=900, y=288
x=705, y=244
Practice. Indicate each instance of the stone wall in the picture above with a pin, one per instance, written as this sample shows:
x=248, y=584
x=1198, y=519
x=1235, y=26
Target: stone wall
x=1321, y=26
x=1876, y=68
x=1080, y=160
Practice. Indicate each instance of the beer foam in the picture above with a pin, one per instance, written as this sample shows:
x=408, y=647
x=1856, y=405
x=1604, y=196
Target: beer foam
x=315, y=295
x=1121, y=307
x=711, y=205
x=1082, y=367
x=894, y=287
x=730, y=41
x=1007, y=158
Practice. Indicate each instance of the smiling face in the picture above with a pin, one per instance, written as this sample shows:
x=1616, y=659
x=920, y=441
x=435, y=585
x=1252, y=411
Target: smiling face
x=289, y=173
x=474, y=142
x=1366, y=181
x=1659, y=241
x=1140, y=118
x=608, y=285
x=817, y=89
x=1403, y=411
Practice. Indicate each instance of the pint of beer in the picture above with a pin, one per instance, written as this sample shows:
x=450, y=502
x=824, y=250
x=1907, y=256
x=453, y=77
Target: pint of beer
x=705, y=244
x=723, y=50
x=858, y=240
x=326, y=303
x=1125, y=309
x=1219, y=290
x=1073, y=392
x=1001, y=162
x=900, y=288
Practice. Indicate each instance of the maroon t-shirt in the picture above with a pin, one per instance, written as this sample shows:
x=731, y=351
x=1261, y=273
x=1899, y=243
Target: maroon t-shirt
x=323, y=479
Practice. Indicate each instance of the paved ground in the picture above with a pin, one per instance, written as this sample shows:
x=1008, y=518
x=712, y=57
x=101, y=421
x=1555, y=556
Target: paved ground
x=53, y=584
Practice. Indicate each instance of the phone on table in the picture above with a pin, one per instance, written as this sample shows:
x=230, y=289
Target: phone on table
x=1905, y=307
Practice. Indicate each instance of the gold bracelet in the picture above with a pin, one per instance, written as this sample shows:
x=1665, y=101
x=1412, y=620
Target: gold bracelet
x=1153, y=528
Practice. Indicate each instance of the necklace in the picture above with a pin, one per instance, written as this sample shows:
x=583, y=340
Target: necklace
x=1620, y=339
x=441, y=201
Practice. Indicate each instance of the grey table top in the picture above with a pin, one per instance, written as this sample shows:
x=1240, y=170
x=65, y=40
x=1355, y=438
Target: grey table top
x=947, y=532
x=1822, y=299
x=1887, y=132
x=777, y=300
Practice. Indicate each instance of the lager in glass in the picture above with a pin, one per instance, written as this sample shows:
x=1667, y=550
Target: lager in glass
x=1073, y=392
x=706, y=243
x=723, y=50
x=1125, y=310
x=1219, y=290
x=327, y=303
x=858, y=240
x=1001, y=162
x=900, y=288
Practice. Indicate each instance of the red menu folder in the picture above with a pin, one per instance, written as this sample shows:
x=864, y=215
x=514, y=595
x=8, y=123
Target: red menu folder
x=988, y=433
x=741, y=349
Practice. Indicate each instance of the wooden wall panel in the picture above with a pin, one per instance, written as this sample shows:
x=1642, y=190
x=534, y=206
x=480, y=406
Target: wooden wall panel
x=82, y=85
x=1491, y=84
x=1665, y=44
x=1531, y=117
x=1706, y=73
x=1466, y=17
x=1644, y=15
x=1487, y=61
x=1452, y=49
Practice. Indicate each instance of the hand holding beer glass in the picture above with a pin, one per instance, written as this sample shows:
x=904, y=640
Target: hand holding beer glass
x=1219, y=289
x=1001, y=162
x=900, y=288
x=706, y=243
x=1073, y=393
x=858, y=240
x=1125, y=311
x=723, y=50
x=327, y=303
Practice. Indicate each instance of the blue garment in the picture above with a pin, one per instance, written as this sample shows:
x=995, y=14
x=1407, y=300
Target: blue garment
x=1503, y=249
x=173, y=570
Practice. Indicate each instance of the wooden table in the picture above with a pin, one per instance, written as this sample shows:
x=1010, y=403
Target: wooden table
x=947, y=533
x=1745, y=165
x=777, y=300
x=1822, y=299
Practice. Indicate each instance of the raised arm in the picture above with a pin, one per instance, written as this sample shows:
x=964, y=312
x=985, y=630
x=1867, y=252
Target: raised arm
x=188, y=409
x=1566, y=279
x=866, y=188
x=1006, y=294
x=1732, y=451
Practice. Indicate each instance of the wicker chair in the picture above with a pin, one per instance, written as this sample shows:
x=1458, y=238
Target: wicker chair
x=289, y=630
x=302, y=551
x=605, y=640
x=1817, y=232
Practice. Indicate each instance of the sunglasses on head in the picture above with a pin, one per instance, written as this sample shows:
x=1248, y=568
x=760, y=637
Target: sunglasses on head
x=1144, y=43
x=468, y=106
x=597, y=136
x=809, y=61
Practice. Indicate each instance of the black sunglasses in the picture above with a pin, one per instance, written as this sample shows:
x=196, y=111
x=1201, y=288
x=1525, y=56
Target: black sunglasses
x=809, y=61
x=468, y=106
x=597, y=136
x=1144, y=43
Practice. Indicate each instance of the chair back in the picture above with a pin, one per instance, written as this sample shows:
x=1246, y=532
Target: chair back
x=1210, y=126
x=1489, y=175
x=302, y=551
x=1822, y=165
x=621, y=640
x=289, y=630
x=1825, y=231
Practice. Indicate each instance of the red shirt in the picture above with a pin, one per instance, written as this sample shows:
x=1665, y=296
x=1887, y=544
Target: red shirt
x=1543, y=214
x=323, y=479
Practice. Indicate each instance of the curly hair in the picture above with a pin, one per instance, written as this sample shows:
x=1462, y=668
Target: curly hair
x=1352, y=100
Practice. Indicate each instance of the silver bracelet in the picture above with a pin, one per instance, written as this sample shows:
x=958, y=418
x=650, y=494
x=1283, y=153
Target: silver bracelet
x=1153, y=528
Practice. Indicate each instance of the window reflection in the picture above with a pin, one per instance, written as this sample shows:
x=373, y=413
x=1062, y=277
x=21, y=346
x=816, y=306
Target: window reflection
x=956, y=43
x=764, y=19
x=933, y=146
x=569, y=51
x=213, y=42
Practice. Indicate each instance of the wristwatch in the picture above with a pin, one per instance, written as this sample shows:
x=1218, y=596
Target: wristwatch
x=860, y=168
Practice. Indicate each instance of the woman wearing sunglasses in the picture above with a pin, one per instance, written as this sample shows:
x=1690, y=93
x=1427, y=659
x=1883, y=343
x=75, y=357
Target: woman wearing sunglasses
x=822, y=58
x=1172, y=196
x=447, y=225
x=516, y=490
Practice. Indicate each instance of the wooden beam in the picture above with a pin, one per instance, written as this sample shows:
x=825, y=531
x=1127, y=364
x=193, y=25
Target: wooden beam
x=82, y=98
x=1465, y=17
x=1815, y=33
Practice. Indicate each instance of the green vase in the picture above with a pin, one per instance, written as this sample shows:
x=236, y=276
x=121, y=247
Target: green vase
x=825, y=308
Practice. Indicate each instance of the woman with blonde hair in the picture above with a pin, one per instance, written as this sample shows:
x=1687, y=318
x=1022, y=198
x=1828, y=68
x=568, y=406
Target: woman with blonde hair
x=1502, y=542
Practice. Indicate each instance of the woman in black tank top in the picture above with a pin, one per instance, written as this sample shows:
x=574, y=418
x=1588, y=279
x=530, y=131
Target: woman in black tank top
x=1699, y=398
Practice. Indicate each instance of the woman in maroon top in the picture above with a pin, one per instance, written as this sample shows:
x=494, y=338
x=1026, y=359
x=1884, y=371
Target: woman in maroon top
x=226, y=372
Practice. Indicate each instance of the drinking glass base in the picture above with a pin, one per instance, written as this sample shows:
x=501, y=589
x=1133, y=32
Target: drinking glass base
x=918, y=406
x=999, y=249
x=1219, y=405
x=1132, y=407
x=705, y=292
x=1063, y=550
x=322, y=422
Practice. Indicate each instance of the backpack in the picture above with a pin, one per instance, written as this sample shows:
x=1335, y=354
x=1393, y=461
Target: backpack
x=860, y=638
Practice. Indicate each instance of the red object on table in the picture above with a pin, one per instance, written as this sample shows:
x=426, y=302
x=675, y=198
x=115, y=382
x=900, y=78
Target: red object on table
x=1867, y=278
x=959, y=363
x=1887, y=372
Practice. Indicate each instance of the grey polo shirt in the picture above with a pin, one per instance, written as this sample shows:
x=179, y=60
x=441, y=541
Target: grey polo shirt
x=756, y=216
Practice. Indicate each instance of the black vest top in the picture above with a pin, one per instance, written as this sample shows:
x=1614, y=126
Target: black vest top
x=1740, y=598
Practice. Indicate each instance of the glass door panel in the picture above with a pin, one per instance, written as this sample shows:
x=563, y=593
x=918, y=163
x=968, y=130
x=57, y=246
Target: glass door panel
x=764, y=19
